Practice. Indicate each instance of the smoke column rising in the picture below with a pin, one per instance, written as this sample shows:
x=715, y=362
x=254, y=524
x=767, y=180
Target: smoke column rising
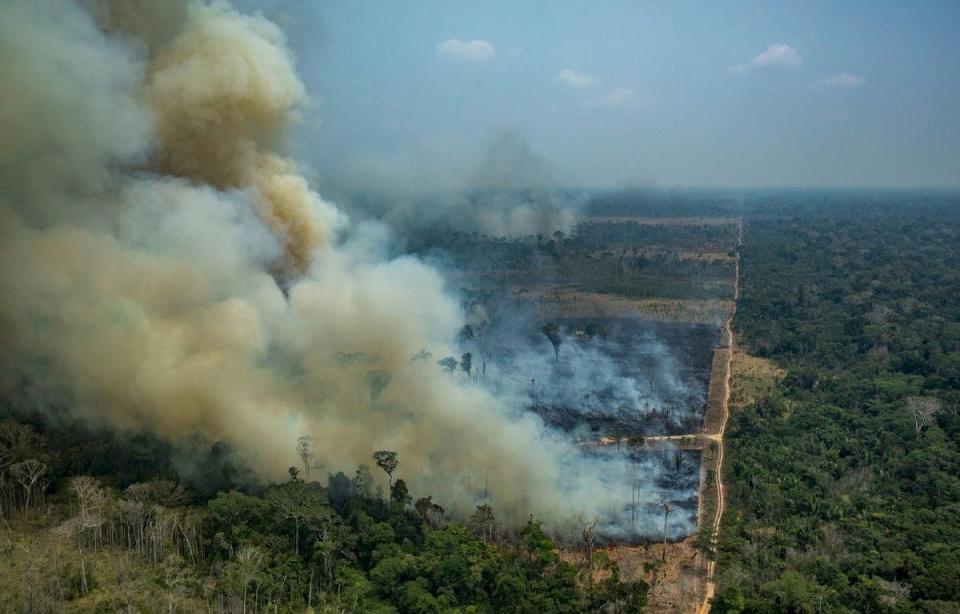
x=162, y=260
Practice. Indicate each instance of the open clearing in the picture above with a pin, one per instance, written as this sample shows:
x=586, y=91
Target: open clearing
x=675, y=279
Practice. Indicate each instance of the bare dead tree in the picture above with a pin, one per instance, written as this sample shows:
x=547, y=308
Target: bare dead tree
x=880, y=315
x=306, y=450
x=27, y=473
x=89, y=517
x=430, y=511
x=179, y=580
x=588, y=532
x=666, y=514
x=18, y=443
x=298, y=503
x=249, y=561
x=483, y=522
x=481, y=331
x=923, y=410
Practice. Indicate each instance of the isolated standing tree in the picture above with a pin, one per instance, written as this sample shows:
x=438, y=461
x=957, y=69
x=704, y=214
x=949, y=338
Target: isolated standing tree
x=483, y=522
x=466, y=363
x=552, y=332
x=400, y=495
x=466, y=333
x=91, y=500
x=449, y=364
x=422, y=356
x=306, y=451
x=482, y=347
x=923, y=410
x=666, y=514
x=475, y=334
x=27, y=473
x=387, y=460
x=363, y=482
x=178, y=578
x=588, y=535
x=430, y=511
x=296, y=502
x=377, y=382
x=246, y=568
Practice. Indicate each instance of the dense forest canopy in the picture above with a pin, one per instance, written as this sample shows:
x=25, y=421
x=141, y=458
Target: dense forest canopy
x=845, y=478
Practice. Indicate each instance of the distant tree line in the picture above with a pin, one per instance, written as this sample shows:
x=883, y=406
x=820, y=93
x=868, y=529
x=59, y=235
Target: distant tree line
x=844, y=479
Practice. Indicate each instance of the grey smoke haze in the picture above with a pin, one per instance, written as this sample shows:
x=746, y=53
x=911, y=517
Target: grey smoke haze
x=621, y=379
x=164, y=260
x=504, y=189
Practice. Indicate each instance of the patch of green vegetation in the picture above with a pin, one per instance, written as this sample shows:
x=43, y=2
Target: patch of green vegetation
x=843, y=479
x=293, y=546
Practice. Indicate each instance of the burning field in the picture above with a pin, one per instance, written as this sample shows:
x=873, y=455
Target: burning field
x=626, y=378
x=166, y=267
x=605, y=385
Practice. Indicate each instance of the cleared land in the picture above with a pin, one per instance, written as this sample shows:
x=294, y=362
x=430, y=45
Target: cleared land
x=570, y=302
x=680, y=270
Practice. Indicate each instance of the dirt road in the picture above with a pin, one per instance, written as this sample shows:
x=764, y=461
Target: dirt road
x=706, y=437
x=711, y=585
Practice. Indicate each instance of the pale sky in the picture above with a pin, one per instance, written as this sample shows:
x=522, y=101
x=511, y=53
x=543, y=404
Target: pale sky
x=805, y=93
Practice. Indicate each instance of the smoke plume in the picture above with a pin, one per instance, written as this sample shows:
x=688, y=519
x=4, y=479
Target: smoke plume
x=166, y=263
x=508, y=190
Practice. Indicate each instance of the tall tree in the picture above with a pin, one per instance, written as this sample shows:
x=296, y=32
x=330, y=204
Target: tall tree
x=387, y=460
x=297, y=502
x=552, y=332
x=27, y=473
x=400, y=495
x=465, y=334
x=449, y=364
x=306, y=450
x=363, y=482
x=483, y=522
x=923, y=410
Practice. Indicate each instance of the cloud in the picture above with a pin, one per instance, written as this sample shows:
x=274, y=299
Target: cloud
x=474, y=51
x=617, y=98
x=572, y=78
x=779, y=55
x=739, y=69
x=843, y=80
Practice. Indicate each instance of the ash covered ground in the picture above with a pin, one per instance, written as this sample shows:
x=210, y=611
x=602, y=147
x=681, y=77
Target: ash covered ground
x=623, y=376
x=620, y=377
x=626, y=377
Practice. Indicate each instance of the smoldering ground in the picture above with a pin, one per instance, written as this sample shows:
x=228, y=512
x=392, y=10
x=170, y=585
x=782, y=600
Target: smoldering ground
x=621, y=378
x=164, y=261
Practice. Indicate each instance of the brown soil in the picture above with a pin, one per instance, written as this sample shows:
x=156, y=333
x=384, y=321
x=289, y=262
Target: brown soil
x=675, y=583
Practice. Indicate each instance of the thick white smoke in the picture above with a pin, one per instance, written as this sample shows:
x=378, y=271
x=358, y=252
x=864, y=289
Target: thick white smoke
x=163, y=261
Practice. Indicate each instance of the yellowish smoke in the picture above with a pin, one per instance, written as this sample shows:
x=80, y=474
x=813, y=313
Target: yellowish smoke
x=146, y=214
